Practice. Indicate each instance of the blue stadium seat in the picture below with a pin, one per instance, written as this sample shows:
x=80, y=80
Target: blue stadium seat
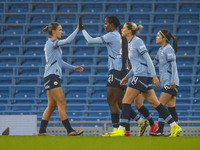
x=15, y=19
x=70, y=7
x=164, y=18
x=139, y=19
x=83, y=51
x=4, y=92
x=101, y=70
x=189, y=7
x=187, y=29
x=186, y=50
x=28, y=70
x=35, y=40
x=24, y=80
x=100, y=80
x=187, y=40
x=184, y=70
x=116, y=8
x=185, y=60
x=74, y=92
x=11, y=41
x=18, y=8
x=67, y=29
x=141, y=7
x=92, y=7
x=1, y=8
x=78, y=80
x=24, y=92
x=82, y=60
x=8, y=61
x=90, y=18
x=80, y=40
x=67, y=18
x=9, y=51
x=92, y=29
x=13, y=30
x=186, y=18
x=99, y=92
x=6, y=70
x=5, y=80
x=30, y=61
x=159, y=27
x=40, y=19
x=102, y=51
x=166, y=7
x=36, y=29
x=42, y=8
x=102, y=60
x=33, y=51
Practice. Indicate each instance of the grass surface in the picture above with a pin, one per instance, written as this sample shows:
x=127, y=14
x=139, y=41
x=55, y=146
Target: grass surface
x=98, y=143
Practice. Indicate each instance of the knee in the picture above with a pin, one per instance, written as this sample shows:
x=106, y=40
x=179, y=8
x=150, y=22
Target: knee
x=52, y=107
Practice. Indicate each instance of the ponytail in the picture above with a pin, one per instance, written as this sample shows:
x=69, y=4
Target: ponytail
x=174, y=44
x=45, y=29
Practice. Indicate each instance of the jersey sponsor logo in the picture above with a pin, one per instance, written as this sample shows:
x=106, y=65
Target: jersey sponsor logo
x=170, y=54
x=143, y=46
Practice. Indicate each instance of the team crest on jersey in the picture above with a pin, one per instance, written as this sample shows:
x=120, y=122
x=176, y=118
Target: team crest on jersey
x=55, y=83
x=131, y=48
x=161, y=53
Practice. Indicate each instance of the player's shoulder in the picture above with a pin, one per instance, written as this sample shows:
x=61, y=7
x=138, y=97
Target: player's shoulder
x=169, y=49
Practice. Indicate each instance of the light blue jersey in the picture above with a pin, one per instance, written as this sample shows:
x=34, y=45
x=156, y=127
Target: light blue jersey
x=114, y=45
x=53, y=56
x=167, y=65
x=140, y=59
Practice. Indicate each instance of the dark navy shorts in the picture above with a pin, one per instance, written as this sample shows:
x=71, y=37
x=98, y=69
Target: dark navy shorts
x=52, y=81
x=166, y=89
x=115, y=77
x=142, y=84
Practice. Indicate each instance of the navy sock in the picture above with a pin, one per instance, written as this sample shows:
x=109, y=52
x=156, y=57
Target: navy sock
x=115, y=120
x=134, y=115
x=172, y=111
x=165, y=114
x=161, y=123
x=125, y=116
x=43, y=126
x=145, y=112
x=128, y=126
x=67, y=125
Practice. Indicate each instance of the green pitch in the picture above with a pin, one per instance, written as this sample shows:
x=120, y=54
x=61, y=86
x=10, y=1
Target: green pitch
x=98, y=143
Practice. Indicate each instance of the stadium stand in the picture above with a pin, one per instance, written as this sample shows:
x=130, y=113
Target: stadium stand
x=22, y=57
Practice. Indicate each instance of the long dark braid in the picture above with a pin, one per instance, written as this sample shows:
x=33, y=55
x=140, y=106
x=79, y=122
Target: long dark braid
x=113, y=19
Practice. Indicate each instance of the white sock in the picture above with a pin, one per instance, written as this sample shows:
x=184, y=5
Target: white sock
x=121, y=128
x=172, y=124
x=139, y=121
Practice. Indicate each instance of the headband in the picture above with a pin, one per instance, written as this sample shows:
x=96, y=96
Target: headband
x=163, y=35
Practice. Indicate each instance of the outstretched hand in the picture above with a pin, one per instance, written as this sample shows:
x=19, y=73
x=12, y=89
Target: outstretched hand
x=80, y=25
x=79, y=68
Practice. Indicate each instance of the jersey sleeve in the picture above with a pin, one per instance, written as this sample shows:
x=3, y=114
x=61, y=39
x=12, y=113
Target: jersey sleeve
x=107, y=38
x=170, y=55
x=141, y=46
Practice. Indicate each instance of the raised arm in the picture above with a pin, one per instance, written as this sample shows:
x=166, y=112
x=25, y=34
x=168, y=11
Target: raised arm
x=90, y=39
x=68, y=39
